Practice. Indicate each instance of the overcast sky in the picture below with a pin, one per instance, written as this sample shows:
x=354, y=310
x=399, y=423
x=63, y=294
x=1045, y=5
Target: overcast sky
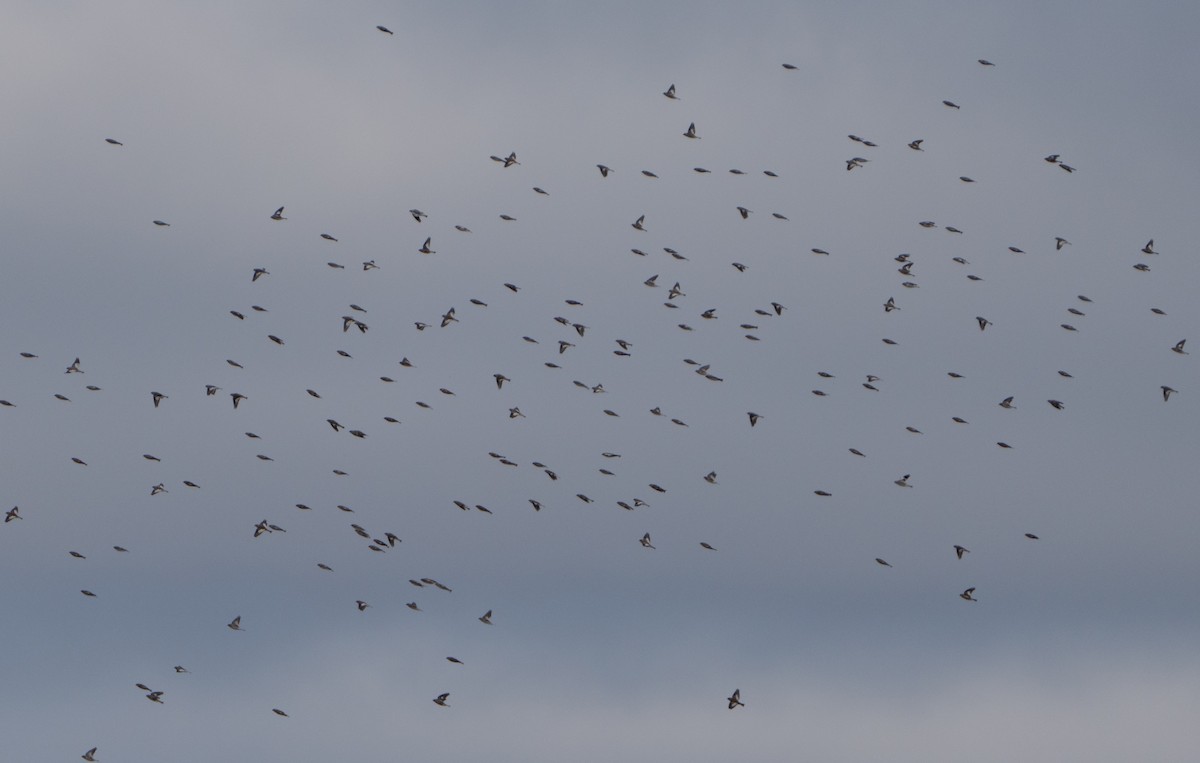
x=1080, y=644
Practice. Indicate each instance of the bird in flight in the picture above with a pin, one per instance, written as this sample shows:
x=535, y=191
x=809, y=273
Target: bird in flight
x=959, y=551
x=645, y=541
x=670, y=93
x=967, y=595
x=735, y=699
x=278, y=215
x=441, y=699
x=691, y=131
x=486, y=618
x=235, y=624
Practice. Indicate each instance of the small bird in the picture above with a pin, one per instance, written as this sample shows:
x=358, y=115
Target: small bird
x=966, y=595
x=181, y=669
x=12, y=514
x=645, y=541
x=916, y=144
x=1031, y=536
x=1058, y=404
x=74, y=368
x=985, y=62
x=745, y=213
x=603, y=170
x=113, y=141
x=1060, y=242
x=328, y=237
x=1052, y=158
x=276, y=710
x=983, y=322
x=441, y=699
x=158, y=489
x=90, y=755
x=691, y=131
x=157, y=397
x=237, y=398
x=638, y=224
x=706, y=546
x=670, y=93
x=278, y=215
x=1178, y=348
x=1007, y=403
x=235, y=624
x=155, y=696
x=161, y=224
x=735, y=699
x=903, y=481
x=425, y=247
x=362, y=605
x=1166, y=392
x=486, y=618
x=882, y=562
x=383, y=29
x=950, y=104
x=258, y=273
x=1149, y=247
x=959, y=551
x=754, y=417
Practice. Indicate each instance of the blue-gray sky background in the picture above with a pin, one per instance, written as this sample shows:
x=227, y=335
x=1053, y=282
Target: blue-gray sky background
x=1082, y=644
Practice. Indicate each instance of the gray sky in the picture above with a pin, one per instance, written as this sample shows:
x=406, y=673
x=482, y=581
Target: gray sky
x=1081, y=643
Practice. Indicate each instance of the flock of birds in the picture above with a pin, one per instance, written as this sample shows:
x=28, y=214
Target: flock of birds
x=573, y=333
